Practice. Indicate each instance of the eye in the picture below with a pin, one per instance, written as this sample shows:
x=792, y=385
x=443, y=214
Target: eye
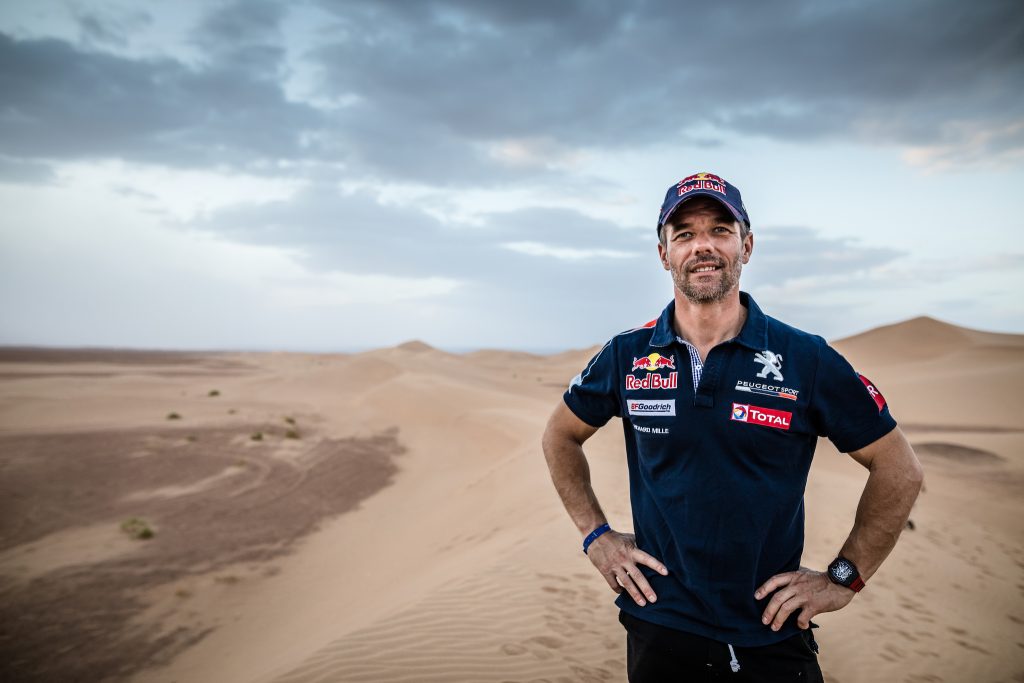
x=682, y=235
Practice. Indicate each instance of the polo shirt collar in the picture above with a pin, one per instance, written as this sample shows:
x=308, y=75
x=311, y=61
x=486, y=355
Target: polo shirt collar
x=754, y=334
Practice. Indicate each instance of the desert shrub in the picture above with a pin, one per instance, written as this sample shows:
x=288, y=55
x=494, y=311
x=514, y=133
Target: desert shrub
x=137, y=528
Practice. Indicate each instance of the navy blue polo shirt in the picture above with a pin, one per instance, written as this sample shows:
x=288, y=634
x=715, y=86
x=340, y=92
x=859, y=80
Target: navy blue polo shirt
x=717, y=468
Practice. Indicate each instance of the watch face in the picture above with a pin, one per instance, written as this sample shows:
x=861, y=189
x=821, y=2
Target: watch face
x=842, y=571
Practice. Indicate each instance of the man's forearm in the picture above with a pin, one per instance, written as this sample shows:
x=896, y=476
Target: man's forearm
x=614, y=554
x=570, y=474
x=892, y=487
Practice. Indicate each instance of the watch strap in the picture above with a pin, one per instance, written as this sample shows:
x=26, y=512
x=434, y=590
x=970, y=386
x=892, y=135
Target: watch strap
x=593, y=535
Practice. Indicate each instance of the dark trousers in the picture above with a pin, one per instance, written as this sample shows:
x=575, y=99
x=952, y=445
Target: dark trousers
x=655, y=654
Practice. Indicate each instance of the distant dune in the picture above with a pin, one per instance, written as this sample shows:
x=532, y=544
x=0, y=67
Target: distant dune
x=924, y=338
x=414, y=346
x=387, y=516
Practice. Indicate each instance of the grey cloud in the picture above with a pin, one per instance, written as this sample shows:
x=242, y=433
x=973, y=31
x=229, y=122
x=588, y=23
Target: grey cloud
x=245, y=34
x=783, y=253
x=424, y=91
x=355, y=233
x=61, y=102
x=102, y=27
x=242, y=22
x=596, y=75
x=22, y=171
x=390, y=144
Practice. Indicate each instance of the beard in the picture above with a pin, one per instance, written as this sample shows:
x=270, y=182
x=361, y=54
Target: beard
x=709, y=290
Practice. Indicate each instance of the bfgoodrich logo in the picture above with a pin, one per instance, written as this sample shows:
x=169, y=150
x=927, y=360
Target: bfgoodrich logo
x=766, y=417
x=662, y=407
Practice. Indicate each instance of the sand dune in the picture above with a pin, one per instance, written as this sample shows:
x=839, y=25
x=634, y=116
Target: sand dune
x=949, y=377
x=410, y=533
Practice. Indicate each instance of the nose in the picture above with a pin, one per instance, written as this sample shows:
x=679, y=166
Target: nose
x=702, y=243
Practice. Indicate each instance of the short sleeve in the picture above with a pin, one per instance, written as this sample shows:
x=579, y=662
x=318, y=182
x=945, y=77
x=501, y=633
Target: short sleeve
x=846, y=406
x=593, y=394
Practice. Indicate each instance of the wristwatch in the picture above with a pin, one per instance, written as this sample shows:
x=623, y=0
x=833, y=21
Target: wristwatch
x=844, y=573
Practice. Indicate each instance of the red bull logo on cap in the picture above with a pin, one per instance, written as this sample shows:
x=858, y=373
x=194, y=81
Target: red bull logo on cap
x=701, y=181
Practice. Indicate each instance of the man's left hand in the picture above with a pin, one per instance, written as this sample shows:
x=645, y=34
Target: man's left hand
x=806, y=590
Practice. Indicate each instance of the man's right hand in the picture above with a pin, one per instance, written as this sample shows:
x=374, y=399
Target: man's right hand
x=617, y=558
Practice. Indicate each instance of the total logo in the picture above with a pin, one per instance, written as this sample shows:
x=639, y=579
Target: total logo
x=653, y=363
x=766, y=417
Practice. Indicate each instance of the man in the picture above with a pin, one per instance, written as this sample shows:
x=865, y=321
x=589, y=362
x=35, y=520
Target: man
x=721, y=407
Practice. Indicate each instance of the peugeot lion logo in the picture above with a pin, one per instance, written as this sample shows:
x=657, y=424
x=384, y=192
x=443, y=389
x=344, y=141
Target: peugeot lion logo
x=772, y=363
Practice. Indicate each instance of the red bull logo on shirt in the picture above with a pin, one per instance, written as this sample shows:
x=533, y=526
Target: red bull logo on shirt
x=653, y=381
x=766, y=417
x=653, y=363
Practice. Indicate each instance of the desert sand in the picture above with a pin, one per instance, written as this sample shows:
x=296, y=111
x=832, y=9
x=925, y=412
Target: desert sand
x=394, y=520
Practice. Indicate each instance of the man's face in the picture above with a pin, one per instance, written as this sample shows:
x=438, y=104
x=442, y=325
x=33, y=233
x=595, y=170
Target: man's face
x=704, y=249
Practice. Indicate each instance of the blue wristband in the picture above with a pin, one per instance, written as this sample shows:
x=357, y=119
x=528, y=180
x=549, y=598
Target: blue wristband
x=594, y=535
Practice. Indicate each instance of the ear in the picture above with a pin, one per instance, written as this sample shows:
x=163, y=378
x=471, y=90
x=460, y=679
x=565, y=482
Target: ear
x=748, y=247
x=663, y=255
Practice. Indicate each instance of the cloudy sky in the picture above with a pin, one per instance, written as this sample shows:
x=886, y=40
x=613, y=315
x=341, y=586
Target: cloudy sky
x=337, y=175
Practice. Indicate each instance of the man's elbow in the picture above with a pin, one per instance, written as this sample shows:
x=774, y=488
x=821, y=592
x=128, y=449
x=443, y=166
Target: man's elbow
x=549, y=440
x=911, y=471
x=916, y=474
x=555, y=436
x=896, y=456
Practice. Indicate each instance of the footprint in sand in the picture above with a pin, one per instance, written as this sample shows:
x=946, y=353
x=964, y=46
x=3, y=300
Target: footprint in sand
x=562, y=628
x=970, y=646
x=549, y=642
x=895, y=652
x=587, y=674
x=539, y=646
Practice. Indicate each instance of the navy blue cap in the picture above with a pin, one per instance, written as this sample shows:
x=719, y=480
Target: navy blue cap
x=708, y=185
